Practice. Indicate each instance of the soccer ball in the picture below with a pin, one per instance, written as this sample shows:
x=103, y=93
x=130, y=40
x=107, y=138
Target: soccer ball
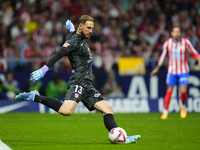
x=117, y=135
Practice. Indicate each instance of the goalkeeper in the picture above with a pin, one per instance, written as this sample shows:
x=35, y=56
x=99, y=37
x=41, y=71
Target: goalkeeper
x=80, y=83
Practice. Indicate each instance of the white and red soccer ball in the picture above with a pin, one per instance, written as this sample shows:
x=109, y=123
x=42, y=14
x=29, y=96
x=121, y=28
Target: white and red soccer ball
x=117, y=135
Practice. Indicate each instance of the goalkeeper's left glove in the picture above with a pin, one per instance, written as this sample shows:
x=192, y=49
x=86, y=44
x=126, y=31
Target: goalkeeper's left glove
x=70, y=26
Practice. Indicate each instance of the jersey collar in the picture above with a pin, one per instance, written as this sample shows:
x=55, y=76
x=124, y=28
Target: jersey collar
x=78, y=36
x=178, y=40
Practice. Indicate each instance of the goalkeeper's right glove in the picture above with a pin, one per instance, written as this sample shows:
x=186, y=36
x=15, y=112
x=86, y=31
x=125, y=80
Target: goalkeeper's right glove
x=38, y=74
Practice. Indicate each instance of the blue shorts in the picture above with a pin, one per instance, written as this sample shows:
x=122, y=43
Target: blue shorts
x=182, y=79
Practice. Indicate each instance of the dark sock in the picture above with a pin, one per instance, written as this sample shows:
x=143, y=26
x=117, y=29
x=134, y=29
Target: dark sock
x=53, y=103
x=109, y=121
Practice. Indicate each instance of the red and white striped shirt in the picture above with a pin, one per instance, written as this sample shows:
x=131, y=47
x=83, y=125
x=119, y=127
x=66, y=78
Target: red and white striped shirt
x=178, y=63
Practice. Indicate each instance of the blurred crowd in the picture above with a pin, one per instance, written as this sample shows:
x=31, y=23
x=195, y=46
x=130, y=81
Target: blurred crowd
x=33, y=30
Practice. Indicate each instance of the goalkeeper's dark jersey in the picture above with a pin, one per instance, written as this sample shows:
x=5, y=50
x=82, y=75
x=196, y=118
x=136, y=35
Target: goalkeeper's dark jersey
x=79, y=54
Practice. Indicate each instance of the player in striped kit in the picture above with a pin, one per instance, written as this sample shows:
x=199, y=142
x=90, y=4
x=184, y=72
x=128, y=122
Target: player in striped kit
x=178, y=69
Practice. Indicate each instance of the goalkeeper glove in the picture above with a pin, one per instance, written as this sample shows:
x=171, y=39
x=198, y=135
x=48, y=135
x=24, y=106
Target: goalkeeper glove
x=38, y=74
x=70, y=26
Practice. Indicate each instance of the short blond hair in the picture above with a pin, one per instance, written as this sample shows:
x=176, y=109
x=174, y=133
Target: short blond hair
x=85, y=18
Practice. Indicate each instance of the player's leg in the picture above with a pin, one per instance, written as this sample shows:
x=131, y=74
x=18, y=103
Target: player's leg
x=65, y=108
x=183, y=82
x=183, y=97
x=34, y=96
x=183, y=89
x=93, y=100
x=107, y=111
x=68, y=107
x=171, y=81
x=167, y=101
x=109, y=121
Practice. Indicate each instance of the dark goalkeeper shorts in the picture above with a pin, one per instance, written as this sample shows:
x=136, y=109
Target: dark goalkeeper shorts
x=88, y=95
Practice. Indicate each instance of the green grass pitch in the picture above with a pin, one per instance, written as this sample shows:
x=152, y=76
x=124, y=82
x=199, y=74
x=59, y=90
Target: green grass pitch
x=34, y=131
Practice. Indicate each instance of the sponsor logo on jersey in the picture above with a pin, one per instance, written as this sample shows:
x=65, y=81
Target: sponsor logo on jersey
x=176, y=55
x=76, y=95
x=97, y=95
x=66, y=44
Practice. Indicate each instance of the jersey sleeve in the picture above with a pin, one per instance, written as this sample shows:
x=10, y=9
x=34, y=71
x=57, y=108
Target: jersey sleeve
x=191, y=49
x=163, y=54
x=67, y=47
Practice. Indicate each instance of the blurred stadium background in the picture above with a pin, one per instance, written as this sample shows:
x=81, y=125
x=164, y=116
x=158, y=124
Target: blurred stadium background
x=126, y=43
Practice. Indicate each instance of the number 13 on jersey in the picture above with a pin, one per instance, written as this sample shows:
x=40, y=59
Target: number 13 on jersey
x=78, y=89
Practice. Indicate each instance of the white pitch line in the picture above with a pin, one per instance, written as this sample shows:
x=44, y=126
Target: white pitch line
x=4, y=146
